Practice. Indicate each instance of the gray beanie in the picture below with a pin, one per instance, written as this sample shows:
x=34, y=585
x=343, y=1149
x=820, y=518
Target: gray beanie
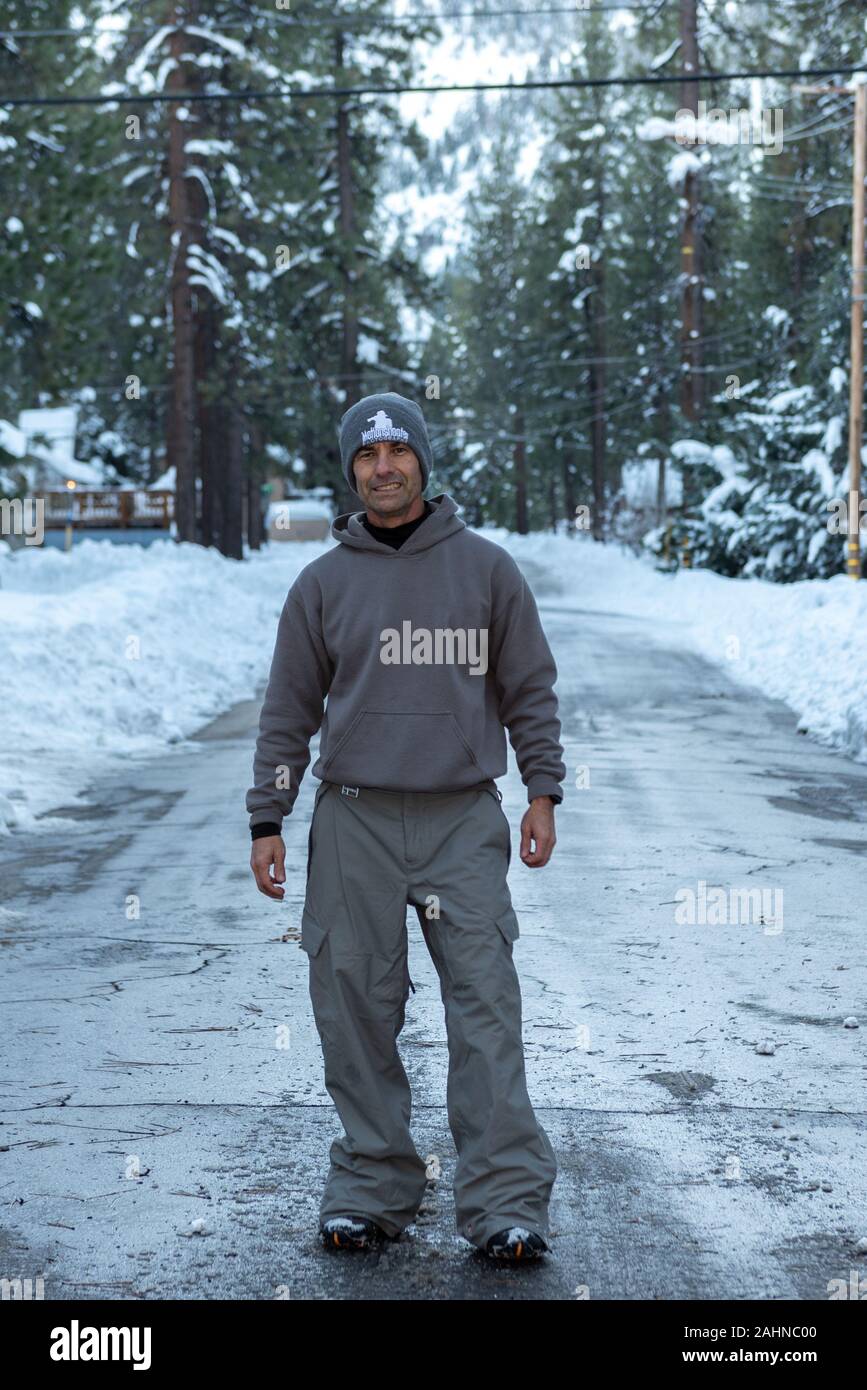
x=384, y=416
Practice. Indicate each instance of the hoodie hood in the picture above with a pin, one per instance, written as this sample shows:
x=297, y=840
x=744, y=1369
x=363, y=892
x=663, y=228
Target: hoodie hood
x=443, y=521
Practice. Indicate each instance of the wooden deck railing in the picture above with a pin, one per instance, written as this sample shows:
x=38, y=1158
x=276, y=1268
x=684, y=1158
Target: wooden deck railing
x=133, y=508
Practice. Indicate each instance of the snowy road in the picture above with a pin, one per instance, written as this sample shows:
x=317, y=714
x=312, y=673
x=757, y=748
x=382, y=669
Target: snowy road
x=162, y=1064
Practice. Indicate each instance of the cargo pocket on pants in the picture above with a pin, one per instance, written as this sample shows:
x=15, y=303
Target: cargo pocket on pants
x=313, y=933
x=508, y=924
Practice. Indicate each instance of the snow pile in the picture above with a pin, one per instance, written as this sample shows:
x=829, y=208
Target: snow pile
x=802, y=643
x=113, y=652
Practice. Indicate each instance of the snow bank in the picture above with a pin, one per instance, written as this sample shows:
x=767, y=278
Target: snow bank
x=802, y=643
x=113, y=652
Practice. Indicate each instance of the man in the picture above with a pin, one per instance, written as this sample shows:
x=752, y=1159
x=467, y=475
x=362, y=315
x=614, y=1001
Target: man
x=426, y=642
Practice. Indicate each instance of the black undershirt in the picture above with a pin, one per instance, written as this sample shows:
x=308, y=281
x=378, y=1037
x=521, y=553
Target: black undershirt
x=396, y=535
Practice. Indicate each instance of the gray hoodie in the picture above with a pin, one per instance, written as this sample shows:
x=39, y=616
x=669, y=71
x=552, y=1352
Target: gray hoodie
x=425, y=655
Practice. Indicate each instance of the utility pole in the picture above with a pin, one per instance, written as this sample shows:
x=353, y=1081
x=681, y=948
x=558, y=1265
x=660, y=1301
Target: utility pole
x=856, y=336
x=690, y=245
x=181, y=430
x=595, y=313
x=856, y=351
x=349, y=344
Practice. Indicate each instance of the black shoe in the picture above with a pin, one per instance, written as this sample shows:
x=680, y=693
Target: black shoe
x=350, y=1233
x=514, y=1244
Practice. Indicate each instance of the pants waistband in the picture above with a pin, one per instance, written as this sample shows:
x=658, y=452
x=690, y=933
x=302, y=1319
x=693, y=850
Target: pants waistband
x=344, y=790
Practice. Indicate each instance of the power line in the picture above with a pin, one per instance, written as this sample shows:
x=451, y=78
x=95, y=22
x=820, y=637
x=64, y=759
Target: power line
x=311, y=93
x=418, y=377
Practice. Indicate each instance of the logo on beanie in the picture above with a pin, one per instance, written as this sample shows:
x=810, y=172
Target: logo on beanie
x=383, y=428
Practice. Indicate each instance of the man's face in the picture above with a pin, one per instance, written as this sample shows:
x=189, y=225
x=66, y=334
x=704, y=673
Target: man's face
x=387, y=477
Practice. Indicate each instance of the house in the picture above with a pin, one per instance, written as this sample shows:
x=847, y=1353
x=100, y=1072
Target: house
x=50, y=448
x=43, y=447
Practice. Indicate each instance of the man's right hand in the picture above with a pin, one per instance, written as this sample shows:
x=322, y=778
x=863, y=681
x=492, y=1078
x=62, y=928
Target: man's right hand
x=268, y=850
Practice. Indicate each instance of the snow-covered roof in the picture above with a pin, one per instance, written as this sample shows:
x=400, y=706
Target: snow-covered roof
x=13, y=440
x=56, y=425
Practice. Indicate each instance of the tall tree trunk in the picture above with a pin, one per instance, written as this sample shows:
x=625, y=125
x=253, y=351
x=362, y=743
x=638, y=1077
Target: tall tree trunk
x=663, y=415
x=594, y=308
x=552, y=496
x=181, y=425
x=349, y=338
x=232, y=545
x=690, y=240
x=212, y=122
x=255, y=478
x=156, y=434
x=568, y=457
x=211, y=432
x=660, y=491
x=799, y=243
x=520, y=457
x=597, y=402
x=324, y=463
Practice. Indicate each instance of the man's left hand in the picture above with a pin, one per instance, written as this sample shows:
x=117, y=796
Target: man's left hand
x=538, y=827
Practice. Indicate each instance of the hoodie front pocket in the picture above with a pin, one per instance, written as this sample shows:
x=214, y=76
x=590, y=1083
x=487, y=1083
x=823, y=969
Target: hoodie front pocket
x=343, y=739
x=387, y=748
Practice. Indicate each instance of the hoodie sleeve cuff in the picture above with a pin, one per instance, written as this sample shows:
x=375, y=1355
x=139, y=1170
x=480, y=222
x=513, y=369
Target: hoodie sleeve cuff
x=265, y=822
x=542, y=785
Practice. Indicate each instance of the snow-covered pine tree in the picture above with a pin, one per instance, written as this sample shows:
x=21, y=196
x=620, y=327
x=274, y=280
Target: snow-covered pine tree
x=767, y=493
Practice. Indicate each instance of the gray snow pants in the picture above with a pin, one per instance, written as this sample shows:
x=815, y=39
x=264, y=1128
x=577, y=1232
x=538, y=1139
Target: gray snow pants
x=370, y=854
